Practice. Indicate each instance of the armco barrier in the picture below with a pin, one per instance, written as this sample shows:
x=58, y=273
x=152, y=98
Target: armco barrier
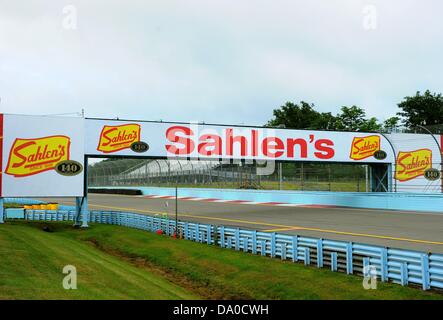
x=372, y=200
x=399, y=266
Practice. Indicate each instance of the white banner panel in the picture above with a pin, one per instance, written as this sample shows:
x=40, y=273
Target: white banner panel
x=172, y=140
x=416, y=153
x=33, y=147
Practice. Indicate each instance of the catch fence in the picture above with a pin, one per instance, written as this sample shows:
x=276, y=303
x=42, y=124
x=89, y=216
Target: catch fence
x=304, y=176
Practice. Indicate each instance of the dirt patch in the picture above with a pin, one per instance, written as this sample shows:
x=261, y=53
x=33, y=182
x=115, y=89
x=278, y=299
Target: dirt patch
x=205, y=290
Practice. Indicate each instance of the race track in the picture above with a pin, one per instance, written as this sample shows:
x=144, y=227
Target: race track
x=399, y=229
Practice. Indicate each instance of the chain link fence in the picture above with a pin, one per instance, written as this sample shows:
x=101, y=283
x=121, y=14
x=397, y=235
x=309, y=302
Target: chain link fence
x=216, y=174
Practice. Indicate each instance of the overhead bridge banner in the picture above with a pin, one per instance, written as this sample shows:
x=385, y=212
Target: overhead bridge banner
x=41, y=156
x=172, y=140
x=410, y=155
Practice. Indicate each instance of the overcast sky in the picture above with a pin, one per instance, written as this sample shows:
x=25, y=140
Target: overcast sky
x=218, y=61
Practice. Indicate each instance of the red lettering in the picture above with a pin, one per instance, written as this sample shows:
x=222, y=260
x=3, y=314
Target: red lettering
x=273, y=147
x=254, y=143
x=22, y=157
x=324, y=146
x=356, y=145
x=215, y=145
x=231, y=139
x=105, y=135
x=188, y=144
x=303, y=147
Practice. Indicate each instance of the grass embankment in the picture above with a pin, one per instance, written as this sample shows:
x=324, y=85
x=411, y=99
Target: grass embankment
x=32, y=261
x=117, y=262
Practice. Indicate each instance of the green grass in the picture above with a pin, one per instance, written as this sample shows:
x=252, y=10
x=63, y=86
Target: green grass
x=118, y=262
x=347, y=186
x=344, y=186
x=32, y=262
x=12, y=205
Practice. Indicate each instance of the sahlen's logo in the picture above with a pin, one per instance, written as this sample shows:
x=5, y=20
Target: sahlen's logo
x=139, y=146
x=364, y=147
x=116, y=138
x=32, y=156
x=69, y=168
x=412, y=164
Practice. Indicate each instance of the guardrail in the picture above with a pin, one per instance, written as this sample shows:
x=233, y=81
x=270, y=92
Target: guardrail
x=395, y=265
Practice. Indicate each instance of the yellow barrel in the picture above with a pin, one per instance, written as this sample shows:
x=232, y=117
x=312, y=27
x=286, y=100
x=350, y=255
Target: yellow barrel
x=28, y=207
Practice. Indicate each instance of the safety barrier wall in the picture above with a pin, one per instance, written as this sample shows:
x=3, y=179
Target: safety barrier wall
x=379, y=200
x=399, y=266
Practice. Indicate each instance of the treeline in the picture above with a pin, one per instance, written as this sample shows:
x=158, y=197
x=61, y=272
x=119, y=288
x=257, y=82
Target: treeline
x=420, y=110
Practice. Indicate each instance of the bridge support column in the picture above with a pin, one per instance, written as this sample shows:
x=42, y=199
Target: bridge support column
x=380, y=177
x=2, y=211
x=82, y=212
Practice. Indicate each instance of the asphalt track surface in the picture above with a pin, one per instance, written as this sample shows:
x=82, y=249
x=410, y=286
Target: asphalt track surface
x=397, y=229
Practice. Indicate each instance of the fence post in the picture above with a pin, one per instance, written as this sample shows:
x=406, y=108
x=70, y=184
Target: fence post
x=215, y=235
x=283, y=251
x=263, y=247
x=366, y=271
x=273, y=245
x=334, y=261
x=320, y=253
x=254, y=242
x=245, y=244
x=2, y=211
x=229, y=244
x=349, y=267
x=208, y=238
x=384, y=265
x=237, y=239
x=425, y=271
x=307, y=257
x=146, y=223
x=186, y=230
x=197, y=232
x=222, y=236
x=404, y=274
x=295, y=248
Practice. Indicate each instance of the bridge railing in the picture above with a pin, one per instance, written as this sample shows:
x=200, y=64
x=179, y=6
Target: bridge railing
x=400, y=266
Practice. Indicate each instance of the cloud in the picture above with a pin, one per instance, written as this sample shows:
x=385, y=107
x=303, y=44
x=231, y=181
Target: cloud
x=219, y=61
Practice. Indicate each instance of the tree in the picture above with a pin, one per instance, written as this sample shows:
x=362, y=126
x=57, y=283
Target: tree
x=370, y=125
x=350, y=118
x=391, y=123
x=354, y=119
x=301, y=116
x=426, y=109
